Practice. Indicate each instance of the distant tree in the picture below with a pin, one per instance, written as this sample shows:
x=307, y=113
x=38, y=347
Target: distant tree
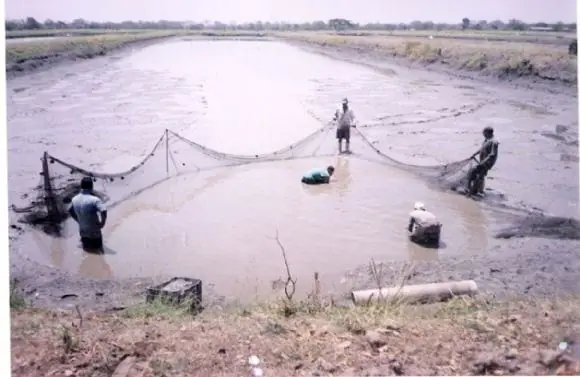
x=319, y=25
x=49, y=24
x=32, y=24
x=340, y=24
x=465, y=23
x=497, y=24
x=481, y=25
x=417, y=25
x=11, y=25
x=558, y=26
x=514, y=24
x=79, y=23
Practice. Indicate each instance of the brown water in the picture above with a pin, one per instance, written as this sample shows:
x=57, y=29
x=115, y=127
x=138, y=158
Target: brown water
x=220, y=226
x=253, y=97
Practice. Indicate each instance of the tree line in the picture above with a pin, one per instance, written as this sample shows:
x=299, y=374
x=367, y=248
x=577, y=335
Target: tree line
x=337, y=24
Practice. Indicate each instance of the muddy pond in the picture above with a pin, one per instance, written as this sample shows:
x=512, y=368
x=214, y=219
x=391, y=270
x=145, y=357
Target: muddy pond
x=254, y=97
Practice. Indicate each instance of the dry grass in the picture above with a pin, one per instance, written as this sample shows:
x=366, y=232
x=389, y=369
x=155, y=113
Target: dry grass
x=29, y=55
x=80, y=47
x=499, y=59
x=311, y=337
x=13, y=34
x=462, y=336
x=554, y=38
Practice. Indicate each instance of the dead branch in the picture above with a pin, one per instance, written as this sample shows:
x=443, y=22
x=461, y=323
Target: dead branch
x=290, y=287
x=377, y=275
x=80, y=316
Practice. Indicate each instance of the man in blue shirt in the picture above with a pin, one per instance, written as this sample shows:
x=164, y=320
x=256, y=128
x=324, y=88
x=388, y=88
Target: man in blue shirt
x=90, y=213
x=318, y=176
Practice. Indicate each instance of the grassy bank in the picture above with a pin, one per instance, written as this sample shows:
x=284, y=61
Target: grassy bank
x=16, y=34
x=504, y=60
x=23, y=57
x=26, y=56
x=550, y=38
x=463, y=336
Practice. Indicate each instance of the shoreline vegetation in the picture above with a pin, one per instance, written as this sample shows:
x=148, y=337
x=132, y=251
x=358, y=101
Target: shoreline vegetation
x=500, y=54
x=463, y=336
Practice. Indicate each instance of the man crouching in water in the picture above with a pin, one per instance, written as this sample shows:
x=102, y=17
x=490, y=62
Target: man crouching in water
x=487, y=158
x=424, y=228
x=318, y=176
x=85, y=210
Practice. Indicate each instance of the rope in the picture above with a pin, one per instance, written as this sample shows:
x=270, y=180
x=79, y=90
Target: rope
x=444, y=168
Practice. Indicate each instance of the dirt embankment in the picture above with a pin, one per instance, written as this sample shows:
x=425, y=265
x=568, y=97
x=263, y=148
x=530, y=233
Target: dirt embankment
x=461, y=57
x=461, y=337
x=26, y=57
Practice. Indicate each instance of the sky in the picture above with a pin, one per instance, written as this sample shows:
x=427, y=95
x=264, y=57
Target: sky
x=361, y=11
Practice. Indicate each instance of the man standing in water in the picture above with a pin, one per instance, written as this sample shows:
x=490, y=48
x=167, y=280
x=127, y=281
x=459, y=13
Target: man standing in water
x=424, y=228
x=85, y=210
x=487, y=158
x=318, y=176
x=345, y=120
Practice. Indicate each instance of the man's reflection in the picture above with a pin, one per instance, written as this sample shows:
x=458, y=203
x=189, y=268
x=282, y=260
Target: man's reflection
x=94, y=264
x=342, y=175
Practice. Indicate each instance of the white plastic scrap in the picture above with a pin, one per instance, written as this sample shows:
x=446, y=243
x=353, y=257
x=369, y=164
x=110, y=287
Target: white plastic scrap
x=254, y=361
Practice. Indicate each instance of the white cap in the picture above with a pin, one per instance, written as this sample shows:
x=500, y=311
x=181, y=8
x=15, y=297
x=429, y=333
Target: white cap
x=419, y=206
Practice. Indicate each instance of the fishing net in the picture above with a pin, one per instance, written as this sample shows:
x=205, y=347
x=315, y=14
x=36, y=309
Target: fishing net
x=542, y=226
x=451, y=176
x=173, y=155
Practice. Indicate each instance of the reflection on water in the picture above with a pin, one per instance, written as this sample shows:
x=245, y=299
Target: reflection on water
x=95, y=266
x=219, y=227
x=255, y=97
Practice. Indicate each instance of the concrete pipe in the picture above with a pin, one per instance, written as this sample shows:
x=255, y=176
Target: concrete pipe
x=417, y=293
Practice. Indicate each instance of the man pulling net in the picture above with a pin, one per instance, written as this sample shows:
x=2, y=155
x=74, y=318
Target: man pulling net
x=90, y=213
x=345, y=120
x=487, y=158
x=424, y=228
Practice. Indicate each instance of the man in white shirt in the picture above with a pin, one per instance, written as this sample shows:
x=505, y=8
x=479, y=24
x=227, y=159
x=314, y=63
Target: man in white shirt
x=345, y=120
x=424, y=228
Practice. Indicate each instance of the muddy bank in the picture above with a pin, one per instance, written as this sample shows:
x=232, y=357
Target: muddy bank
x=127, y=96
x=25, y=58
x=29, y=57
x=528, y=65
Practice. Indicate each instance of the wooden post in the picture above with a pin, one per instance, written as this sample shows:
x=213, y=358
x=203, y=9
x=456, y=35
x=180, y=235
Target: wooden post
x=167, y=151
x=51, y=209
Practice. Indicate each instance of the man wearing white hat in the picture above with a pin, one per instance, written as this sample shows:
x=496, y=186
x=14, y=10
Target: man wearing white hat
x=424, y=228
x=345, y=120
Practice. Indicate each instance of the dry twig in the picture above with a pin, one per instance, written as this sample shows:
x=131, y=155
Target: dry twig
x=78, y=310
x=290, y=287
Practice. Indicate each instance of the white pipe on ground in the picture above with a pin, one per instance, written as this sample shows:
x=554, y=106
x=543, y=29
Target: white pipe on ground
x=419, y=292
